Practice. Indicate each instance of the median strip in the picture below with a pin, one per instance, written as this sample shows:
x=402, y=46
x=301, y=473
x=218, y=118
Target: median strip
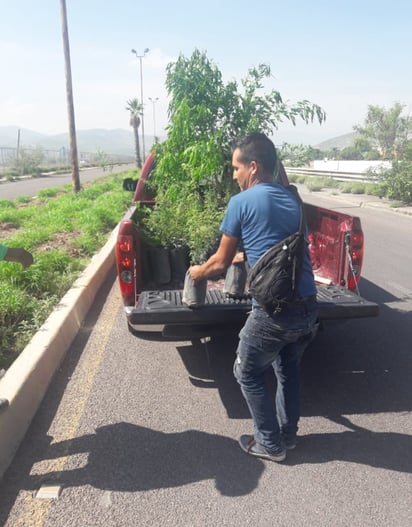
x=26, y=381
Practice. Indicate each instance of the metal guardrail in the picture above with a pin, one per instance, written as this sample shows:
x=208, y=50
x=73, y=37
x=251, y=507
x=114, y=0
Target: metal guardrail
x=341, y=176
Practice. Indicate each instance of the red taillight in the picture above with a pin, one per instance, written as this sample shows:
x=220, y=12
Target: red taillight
x=356, y=254
x=125, y=243
x=125, y=262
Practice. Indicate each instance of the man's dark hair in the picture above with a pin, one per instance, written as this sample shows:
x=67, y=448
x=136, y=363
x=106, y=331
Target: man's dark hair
x=257, y=147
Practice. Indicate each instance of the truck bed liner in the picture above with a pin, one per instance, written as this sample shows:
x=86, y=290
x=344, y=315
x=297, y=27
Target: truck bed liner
x=165, y=307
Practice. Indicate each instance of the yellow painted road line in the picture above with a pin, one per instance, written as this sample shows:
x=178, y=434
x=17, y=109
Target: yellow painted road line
x=34, y=512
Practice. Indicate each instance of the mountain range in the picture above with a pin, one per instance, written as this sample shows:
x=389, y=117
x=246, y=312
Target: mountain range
x=116, y=142
x=340, y=142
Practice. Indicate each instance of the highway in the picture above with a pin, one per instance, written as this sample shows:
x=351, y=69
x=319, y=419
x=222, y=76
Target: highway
x=137, y=433
x=30, y=186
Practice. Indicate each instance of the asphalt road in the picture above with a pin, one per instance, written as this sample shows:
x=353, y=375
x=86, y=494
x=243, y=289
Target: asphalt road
x=145, y=434
x=30, y=186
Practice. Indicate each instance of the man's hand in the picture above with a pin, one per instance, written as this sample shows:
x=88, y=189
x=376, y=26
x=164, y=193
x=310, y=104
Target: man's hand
x=196, y=273
x=218, y=262
x=238, y=258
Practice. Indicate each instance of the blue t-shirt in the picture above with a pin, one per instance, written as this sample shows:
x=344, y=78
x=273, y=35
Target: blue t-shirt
x=262, y=216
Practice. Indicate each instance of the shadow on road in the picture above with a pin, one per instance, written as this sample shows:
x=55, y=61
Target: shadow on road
x=139, y=459
x=385, y=450
x=353, y=367
x=361, y=366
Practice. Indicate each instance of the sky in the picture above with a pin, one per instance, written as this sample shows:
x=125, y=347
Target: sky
x=343, y=55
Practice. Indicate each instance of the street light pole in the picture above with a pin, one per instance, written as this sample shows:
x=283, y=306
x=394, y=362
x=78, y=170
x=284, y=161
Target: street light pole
x=141, y=94
x=154, y=101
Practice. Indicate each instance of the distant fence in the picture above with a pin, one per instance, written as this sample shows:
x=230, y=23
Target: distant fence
x=9, y=157
x=351, y=166
x=340, y=176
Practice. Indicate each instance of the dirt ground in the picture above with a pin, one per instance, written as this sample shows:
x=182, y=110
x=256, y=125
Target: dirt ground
x=59, y=241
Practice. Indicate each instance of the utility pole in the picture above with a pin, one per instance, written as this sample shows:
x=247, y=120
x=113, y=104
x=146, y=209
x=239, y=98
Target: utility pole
x=74, y=160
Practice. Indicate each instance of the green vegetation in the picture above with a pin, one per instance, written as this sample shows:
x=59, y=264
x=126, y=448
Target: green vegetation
x=397, y=181
x=386, y=134
x=317, y=183
x=194, y=163
x=62, y=230
x=387, y=131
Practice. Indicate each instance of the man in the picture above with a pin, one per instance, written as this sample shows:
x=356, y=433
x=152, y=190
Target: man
x=16, y=254
x=262, y=214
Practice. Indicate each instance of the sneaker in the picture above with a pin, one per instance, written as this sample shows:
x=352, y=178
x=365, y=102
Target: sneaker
x=248, y=444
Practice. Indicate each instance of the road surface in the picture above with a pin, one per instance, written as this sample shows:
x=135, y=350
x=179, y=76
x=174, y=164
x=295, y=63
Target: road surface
x=30, y=186
x=139, y=433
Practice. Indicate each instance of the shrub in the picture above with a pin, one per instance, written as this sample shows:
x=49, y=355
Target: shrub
x=375, y=189
x=358, y=188
x=315, y=184
x=346, y=187
x=398, y=181
x=330, y=182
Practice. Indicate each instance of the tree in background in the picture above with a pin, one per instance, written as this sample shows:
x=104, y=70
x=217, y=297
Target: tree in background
x=390, y=133
x=29, y=160
x=386, y=130
x=135, y=108
x=299, y=155
x=206, y=115
x=361, y=149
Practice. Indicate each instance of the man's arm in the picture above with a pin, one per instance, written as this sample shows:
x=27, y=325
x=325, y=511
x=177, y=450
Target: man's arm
x=219, y=261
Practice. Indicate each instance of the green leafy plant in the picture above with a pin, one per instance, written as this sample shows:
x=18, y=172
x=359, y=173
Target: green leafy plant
x=206, y=115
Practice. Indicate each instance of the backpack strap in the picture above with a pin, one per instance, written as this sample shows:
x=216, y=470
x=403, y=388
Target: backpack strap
x=294, y=191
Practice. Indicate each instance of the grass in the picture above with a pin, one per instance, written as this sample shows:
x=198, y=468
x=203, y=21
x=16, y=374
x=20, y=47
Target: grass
x=62, y=230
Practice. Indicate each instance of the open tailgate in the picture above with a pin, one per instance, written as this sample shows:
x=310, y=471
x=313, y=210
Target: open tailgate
x=166, y=308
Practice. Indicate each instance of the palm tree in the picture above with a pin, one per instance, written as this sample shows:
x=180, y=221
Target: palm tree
x=135, y=109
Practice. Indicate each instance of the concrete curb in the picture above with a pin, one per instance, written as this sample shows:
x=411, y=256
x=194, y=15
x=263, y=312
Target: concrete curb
x=25, y=383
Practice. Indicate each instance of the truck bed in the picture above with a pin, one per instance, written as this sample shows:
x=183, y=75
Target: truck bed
x=162, y=312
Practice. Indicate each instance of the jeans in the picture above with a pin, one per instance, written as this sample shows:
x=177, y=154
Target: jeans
x=276, y=341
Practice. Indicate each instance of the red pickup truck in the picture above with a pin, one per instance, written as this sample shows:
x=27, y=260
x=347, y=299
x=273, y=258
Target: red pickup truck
x=154, y=309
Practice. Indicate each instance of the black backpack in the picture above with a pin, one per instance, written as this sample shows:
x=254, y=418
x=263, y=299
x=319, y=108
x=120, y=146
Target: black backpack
x=275, y=277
